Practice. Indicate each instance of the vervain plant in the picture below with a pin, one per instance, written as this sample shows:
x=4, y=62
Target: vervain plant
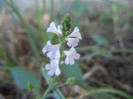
x=63, y=52
x=57, y=53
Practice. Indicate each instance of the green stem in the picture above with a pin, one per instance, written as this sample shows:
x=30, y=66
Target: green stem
x=40, y=22
x=59, y=94
x=61, y=85
x=52, y=10
x=114, y=15
x=49, y=81
x=44, y=4
x=47, y=92
x=38, y=95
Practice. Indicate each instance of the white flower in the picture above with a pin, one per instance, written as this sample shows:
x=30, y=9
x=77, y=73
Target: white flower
x=71, y=55
x=72, y=42
x=73, y=38
x=53, y=67
x=53, y=50
x=53, y=29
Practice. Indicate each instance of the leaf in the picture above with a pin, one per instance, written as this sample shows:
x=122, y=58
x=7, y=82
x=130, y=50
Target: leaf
x=100, y=39
x=22, y=77
x=73, y=71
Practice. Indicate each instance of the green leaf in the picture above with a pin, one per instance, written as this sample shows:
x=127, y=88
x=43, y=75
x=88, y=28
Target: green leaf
x=73, y=71
x=22, y=77
x=100, y=39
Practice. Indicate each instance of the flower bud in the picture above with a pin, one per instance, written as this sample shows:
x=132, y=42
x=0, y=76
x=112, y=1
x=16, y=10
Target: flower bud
x=30, y=86
x=71, y=80
x=66, y=24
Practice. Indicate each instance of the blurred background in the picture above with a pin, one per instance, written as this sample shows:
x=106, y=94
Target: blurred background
x=106, y=50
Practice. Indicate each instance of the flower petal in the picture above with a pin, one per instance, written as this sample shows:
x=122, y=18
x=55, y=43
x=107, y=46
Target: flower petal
x=75, y=34
x=51, y=72
x=71, y=55
x=44, y=50
x=53, y=50
x=53, y=29
x=67, y=60
x=76, y=56
x=57, y=72
x=53, y=67
x=51, y=54
x=48, y=66
x=46, y=47
x=72, y=42
x=59, y=30
x=71, y=61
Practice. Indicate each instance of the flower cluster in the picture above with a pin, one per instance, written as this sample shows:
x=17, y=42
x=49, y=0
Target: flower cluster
x=56, y=53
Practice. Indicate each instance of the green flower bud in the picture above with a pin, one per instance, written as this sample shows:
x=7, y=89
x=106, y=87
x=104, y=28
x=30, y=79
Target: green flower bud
x=30, y=86
x=66, y=24
x=71, y=80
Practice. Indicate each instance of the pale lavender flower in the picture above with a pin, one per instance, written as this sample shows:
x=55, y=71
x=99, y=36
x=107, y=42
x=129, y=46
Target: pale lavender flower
x=53, y=68
x=71, y=55
x=53, y=29
x=73, y=38
x=53, y=50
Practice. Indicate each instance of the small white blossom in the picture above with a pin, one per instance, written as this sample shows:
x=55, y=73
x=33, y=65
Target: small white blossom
x=75, y=34
x=71, y=55
x=72, y=42
x=73, y=38
x=53, y=50
x=53, y=29
x=53, y=67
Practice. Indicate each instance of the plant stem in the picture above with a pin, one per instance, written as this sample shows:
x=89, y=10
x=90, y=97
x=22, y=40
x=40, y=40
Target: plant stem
x=49, y=81
x=114, y=15
x=52, y=10
x=61, y=85
x=40, y=22
x=46, y=92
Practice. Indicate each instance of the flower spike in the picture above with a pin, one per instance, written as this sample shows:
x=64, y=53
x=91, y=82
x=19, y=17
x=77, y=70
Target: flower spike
x=56, y=52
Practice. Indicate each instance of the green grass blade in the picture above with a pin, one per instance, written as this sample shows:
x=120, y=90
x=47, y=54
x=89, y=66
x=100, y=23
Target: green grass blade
x=101, y=53
x=120, y=6
x=85, y=48
x=52, y=10
x=24, y=23
x=40, y=21
x=110, y=90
